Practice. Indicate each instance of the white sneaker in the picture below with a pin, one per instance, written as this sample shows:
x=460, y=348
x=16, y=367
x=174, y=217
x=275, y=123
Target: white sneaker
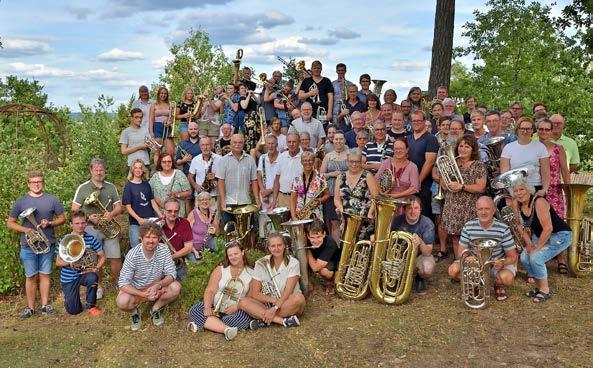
x=99, y=293
x=192, y=327
x=230, y=333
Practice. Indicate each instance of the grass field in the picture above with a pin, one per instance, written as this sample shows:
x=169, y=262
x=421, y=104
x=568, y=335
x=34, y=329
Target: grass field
x=435, y=330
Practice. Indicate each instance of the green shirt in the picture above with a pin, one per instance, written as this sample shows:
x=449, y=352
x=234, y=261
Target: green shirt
x=108, y=196
x=570, y=147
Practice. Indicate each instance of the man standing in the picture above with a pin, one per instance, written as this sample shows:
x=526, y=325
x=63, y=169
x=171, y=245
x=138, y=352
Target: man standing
x=365, y=83
x=357, y=126
x=191, y=148
x=148, y=275
x=143, y=103
x=203, y=167
x=266, y=174
x=318, y=91
x=569, y=144
x=48, y=213
x=340, y=87
x=72, y=277
x=225, y=140
x=289, y=167
x=109, y=198
x=307, y=123
x=132, y=140
x=442, y=93
x=179, y=232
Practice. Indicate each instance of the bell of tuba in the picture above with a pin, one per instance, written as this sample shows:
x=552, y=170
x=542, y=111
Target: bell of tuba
x=111, y=229
x=277, y=216
x=378, y=86
x=351, y=278
x=475, y=272
x=580, y=252
x=447, y=165
x=72, y=249
x=241, y=225
x=296, y=229
x=394, y=256
x=36, y=239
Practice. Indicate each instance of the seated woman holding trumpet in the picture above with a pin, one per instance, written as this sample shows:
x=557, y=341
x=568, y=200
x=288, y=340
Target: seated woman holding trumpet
x=227, y=286
x=309, y=191
x=275, y=295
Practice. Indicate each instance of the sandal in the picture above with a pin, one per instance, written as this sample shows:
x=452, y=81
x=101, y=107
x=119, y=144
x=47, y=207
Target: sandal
x=541, y=297
x=530, y=280
x=562, y=269
x=532, y=293
x=442, y=255
x=501, y=294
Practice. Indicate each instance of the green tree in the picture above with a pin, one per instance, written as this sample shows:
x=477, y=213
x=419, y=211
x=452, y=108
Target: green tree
x=197, y=64
x=15, y=90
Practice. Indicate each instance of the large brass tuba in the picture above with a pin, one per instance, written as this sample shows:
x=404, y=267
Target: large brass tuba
x=36, y=239
x=111, y=228
x=378, y=87
x=493, y=148
x=242, y=223
x=231, y=292
x=475, y=271
x=73, y=250
x=296, y=229
x=394, y=255
x=237, y=65
x=351, y=278
x=580, y=252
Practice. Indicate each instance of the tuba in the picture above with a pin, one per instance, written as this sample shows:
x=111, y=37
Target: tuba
x=111, y=229
x=73, y=250
x=237, y=65
x=378, y=86
x=277, y=216
x=231, y=292
x=296, y=230
x=447, y=165
x=475, y=272
x=394, y=256
x=351, y=278
x=242, y=223
x=493, y=148
x=36, y=239
x=580, y=252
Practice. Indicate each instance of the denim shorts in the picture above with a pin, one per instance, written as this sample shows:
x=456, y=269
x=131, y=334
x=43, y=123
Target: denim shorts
x=183, y=126
x=37, y=263
x=158, y=130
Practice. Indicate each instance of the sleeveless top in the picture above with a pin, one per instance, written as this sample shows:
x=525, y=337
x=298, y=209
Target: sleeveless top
x=161, y=115
x=356, y=199
x=199, y=230
x=536, y=228
x=244, y=276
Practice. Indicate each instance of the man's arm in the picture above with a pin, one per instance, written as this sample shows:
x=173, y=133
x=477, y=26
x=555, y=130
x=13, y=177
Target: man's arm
x=430, y=158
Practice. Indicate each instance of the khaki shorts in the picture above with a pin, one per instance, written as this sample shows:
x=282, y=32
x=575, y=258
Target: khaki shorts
x=283, y=200
x=110, y=246
x=208, y=128
x=140, y=299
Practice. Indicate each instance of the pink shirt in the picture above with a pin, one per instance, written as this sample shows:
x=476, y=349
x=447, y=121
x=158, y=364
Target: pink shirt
x=405, y=178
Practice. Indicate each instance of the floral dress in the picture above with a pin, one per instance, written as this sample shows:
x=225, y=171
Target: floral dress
x=358, y=201
x=307, y=189
x=554, y=195
x=461, y=206
x=178, y=183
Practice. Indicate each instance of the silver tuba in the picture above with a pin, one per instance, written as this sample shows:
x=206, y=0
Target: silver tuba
x=296, y=229
x=475, y=269
x=277, y=217
x=269, y=287
x=73, y=250
x=493, y=149
x=36, y=239
x=111, y=229
x=378, y=86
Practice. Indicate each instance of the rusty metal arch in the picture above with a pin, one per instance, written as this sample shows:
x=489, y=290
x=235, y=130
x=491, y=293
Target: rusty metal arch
x=53, y=157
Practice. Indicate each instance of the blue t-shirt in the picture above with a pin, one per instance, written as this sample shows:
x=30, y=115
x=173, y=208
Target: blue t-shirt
x=424, y=227
x=139, y=197
x=192, y=148
x=47, y=207
x=418, y=148
x=67, y=274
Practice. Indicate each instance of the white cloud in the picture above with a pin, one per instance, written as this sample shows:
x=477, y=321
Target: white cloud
x=120, y=55
x=410, y=66
x=319, y=40
x=343, y=33
x=20, y=47
x=160, y=63
x=100, y=74
x=38, y=70
x=126, y=8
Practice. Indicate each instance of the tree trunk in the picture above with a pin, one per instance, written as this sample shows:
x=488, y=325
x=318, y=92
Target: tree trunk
x=442, y=46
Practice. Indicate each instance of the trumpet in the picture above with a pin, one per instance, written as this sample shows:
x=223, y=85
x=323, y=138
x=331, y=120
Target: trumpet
x=347, y=117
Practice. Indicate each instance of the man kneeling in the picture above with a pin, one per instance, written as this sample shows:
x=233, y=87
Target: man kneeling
x=323, y=255
x=487, y=227
x=73, y=275
x=148, y=275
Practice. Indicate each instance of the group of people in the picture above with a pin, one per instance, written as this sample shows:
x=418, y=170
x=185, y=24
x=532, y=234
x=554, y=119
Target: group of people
x=326, y=149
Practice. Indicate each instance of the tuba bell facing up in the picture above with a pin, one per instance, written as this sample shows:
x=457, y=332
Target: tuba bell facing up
x=296, y=229
x=475, y=269
x=378, y=86
x=111, y=229
x=73, y=250
x=241, y=225
x=580, y=252
x=36, y=239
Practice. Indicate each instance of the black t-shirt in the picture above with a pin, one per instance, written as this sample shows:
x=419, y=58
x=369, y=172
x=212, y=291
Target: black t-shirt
x=328, y=251
x=183, y=108
x=395, y=136
x=325, y=86
x=251, y=105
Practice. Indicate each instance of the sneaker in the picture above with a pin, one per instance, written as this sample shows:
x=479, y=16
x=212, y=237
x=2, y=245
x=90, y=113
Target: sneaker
x=28, y=312
x=136, y=321
x=192, y=327
x=99, y=293
x=157, y=318
x=48, y=309
x=257, y=323
x=421, y=286
x=94, y=312
x=230, y=333
x=291, y=321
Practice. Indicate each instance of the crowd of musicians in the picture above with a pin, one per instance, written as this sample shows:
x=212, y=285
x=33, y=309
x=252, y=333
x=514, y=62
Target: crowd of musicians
x=317, y=149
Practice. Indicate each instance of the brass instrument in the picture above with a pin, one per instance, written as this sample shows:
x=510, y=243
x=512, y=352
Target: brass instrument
x=199, y=104
x=289, y=105
x=296, y=231
x=351, y=278
x=344, y=89
x=580, y=252
x=448, y=168
x=242, y=223
x=72, y=249
x=314, y=99
x=277, y=216
x=475, y=272
x=269, y=288
x=237, y=65
x=172, y=115
x=183, y=151
x=493, y=149
x=209, y=184
x=152, y=144
x=262, y=126
x=386, y=180
x=232, y=291
x=111, y=228
x=307, y=211
x=298, y=66
x=506, y=180
x=36, y=239
x=378, y=86
x=507, y=215
x=347, y=117
x=226, y=150
x=394, y=255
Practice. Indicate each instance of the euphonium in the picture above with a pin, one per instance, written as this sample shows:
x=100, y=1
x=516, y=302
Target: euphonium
x=507, y=215
x=237, y=65
x=232, y=291
x=111, y=228
x=378, y=86
x=447, y=165
x=307, y=211
x=351, y=278
x=241, y=225
x=296, y=230
x=73, y=250
x=36, y=239
x=580, y=252
x=394, y=256
x=475, y=272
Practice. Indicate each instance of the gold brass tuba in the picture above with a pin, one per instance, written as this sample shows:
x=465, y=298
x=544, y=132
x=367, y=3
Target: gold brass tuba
x=378, y=86
x=475, y=272
x=394, y=256
x=237, y=65
x=242, y=223
x=298, y=242
x=111, y=229
x=447, y=165
x=231, y=292
x=36, y=239
x=580, y=252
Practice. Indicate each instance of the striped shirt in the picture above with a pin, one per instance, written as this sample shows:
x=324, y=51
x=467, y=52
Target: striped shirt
x=141, y=272
x=498, y=231
x=237, y=175
x=376, y=153
x=67, y=274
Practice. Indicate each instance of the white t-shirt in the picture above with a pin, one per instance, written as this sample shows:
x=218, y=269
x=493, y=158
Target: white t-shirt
x=198, y=167
x=288, y=168
x=521, y=155
x=271, y=169
x=313, y=127
x=280, y=275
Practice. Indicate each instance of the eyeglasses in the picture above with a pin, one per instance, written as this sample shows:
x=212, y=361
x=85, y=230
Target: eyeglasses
x=354, y=162
x=379, y=130
x=525, y=129
x=544, y=129
x=172, y=211
x=166, y=162
x=417, y=121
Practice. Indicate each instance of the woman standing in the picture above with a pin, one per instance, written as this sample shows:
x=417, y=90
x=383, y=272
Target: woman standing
x=308, y=187
x=204, y=225
x=160, y=121
x=460, y=198
x=389, y=97
x=333, y=166
x=415, y=98
x=373, y=109
x=470, y=104
x=169, y=182
x=234, y=273
x=137, y=196
x=274, y=294
x=184, y=110
x=230, y=101
x=404, y=173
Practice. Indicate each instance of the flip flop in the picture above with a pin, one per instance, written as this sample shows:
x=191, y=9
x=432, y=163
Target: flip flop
x=562, y=269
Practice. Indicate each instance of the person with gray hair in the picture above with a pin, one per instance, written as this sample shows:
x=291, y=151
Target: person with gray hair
x=307, y=123
x=204, y=225
x=143, y=103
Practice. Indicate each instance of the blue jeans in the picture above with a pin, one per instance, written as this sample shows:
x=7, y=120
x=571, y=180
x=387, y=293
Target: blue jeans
x=535, y=263
x=134, y=234
x=72, y=292
x=37, y=263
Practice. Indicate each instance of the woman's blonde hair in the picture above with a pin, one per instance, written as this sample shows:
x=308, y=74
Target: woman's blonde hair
x=144, y=170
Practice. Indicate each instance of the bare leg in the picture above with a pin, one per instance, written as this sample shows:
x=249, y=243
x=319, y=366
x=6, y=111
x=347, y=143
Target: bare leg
x=31, y=290
x=256, y=310
x=125, y=302
x=171, y=293
x=44, y=285
x=214, y=324
x=456, y=250
x=115, y=267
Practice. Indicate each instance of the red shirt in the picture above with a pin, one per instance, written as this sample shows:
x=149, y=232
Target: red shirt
x=182, y=231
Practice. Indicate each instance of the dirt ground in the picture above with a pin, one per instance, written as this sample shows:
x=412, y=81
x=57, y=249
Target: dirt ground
x=435, y=330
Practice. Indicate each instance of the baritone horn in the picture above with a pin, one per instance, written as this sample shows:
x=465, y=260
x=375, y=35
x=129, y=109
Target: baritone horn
x=230, y=294
x=475, y=270
x=580, y=252
x=36, y=239
x=110, y=228
x=72, y=249
x=448, y=168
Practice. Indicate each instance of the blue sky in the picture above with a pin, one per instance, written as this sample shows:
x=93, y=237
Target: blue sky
x=80, y=50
